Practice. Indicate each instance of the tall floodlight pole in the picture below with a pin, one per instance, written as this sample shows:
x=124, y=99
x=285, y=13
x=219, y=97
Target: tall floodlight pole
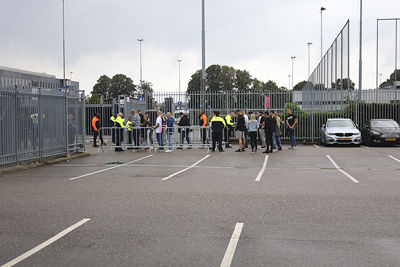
x=63, y=25
x=179, y=63
x=141, y=69
x=289, y=80
x=309, y=44
x=360, y=67
x=292, y=70
x=322, y=44
x=203, y=70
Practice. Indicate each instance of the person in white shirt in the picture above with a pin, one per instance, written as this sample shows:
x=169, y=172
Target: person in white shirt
x=159, y=130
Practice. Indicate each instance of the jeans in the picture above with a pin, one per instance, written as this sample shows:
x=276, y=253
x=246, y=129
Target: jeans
x=183, y=135
x=278, y=141
x=160, y=140
x=136, y=137
x=292, y=137
x=253, y=140
x=170, y=140
x=217, y=138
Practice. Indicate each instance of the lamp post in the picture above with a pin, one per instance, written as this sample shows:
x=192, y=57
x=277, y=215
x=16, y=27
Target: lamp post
x=203, y=70
x=289, y=80
x=309, y=44
x=322, y=46
x=293, y=58
x=63, y=25
x=141, y=70
x=179, y=63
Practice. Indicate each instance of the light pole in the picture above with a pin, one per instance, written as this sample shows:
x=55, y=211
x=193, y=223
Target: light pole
x=289, y=80
x=322, y=46
x=292, y=70
x=359, y=67
x=309, y=44
x=63, y=25
x=141, y=70
x=179, y=63
x=203, y=71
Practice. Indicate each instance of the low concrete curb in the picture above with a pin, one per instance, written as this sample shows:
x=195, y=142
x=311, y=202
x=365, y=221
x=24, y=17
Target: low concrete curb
x=43, y=163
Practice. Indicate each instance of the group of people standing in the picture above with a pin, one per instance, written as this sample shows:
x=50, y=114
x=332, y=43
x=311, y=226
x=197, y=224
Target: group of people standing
x=262, y=129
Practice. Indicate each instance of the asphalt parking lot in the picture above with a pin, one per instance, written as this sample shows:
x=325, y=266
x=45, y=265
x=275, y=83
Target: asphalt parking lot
x=315, y=206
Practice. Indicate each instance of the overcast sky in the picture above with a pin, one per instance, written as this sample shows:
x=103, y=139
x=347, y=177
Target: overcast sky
x=257, y=35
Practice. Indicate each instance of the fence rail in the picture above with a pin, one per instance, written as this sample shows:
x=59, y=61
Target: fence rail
x=40, y=123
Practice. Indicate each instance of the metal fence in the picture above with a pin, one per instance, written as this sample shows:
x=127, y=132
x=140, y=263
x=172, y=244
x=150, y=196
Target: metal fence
x=387, y=53
x=40, y=123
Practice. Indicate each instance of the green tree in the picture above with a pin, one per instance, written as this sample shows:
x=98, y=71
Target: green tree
x=347, y=84
x=395, y=76
x=299, y=86
x=227, y=78
x=102, y=87
x=121, y=85
x=243, y=80
x=94, y=98
x=194, y=83
x=213, y=75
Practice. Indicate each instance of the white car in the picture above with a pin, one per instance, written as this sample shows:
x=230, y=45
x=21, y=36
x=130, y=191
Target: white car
x=340, y=131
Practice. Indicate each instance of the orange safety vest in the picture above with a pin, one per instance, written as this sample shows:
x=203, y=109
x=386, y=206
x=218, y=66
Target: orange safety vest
x=94, y=121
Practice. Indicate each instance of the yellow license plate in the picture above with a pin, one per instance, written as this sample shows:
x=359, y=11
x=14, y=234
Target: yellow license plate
x=390, y=139
x=345, y=139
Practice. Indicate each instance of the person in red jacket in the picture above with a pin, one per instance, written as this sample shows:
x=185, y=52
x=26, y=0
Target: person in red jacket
x=96, y=126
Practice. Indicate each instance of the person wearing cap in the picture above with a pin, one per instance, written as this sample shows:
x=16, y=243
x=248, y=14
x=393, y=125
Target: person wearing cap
x=217, y=126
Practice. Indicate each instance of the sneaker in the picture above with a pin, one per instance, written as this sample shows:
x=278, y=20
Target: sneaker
x=253, y=152
x=168, y=151
x=228, y=146
x=212, y=150
x=222, y=150
x=290, y=147
x=280, y=148
x=266, y=152
x=239, y=150
x=294, y=148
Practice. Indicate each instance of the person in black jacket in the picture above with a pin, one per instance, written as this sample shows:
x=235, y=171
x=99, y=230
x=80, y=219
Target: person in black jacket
x=184, y=121
x=269, y=127
x=217, y=126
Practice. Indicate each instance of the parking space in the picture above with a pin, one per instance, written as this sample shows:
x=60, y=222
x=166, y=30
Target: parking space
x=302, y=211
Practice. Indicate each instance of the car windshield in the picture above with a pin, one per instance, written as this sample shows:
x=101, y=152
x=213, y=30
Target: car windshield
x=384, y=124
x=341, y=123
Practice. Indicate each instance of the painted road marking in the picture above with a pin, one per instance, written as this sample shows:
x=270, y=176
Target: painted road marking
x=45, y=244
x=114, y=167
x=393, y=158
x=316, y=146
x=230, y=251
x=262, y=169
x=341, y=170
x=188, y=168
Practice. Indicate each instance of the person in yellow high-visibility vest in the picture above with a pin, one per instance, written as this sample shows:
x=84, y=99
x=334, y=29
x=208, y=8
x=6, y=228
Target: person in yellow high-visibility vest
x=119, y=123
x=217, y=126
x=229, y=129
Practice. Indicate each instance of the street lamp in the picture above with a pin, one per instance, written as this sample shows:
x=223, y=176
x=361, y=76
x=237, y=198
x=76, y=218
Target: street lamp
x=63, y=25
x=322, y=46
x=179, y=63
x=309, y=44
x=289, y=80
x=292, y=70
x=141, y=73
x=203, y=71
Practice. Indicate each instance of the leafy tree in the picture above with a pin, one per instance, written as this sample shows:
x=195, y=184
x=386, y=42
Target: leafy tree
x=243, y=80
x=102, y=87
x=270, y=86
x=227, y=78
x=299, y=86
x=395, y=76
x=347, y=84
x=195, y=82
x=213, y=75
x=121, y=85
x=94, y=98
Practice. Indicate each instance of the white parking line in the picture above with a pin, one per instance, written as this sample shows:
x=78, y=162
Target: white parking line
x=45, y=244
x=188, y=168
x=262, y=169
x=227, y=260
x=316, y=146
x=393, y=158
x=114, y=167
x=342, y=171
